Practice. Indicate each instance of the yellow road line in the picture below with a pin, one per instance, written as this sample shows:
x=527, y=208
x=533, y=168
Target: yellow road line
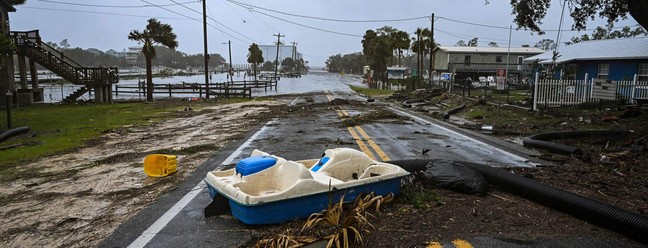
x=358, y=139
x=361, y=144
x=435, y=245
x=373, y=144
x=460, y=243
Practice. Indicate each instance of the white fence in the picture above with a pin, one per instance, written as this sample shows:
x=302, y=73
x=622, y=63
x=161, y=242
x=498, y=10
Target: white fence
x=557, y=92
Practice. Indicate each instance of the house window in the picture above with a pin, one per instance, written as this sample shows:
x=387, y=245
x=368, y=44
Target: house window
x=569, y=71
x=603, y=71
x=467, y=60
x=498, y=59
x=642, y=75
x=520, y=60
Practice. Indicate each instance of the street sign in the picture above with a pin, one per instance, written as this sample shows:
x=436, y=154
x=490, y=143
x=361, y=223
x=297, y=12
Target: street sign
x=501, y=79
x=604, y=89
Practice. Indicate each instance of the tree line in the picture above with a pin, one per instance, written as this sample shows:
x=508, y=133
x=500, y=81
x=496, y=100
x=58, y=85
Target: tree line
x=381, y=46
x=166, y=57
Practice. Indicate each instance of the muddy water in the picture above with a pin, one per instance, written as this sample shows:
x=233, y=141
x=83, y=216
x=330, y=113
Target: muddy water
x=77, y=199
x=312, y=82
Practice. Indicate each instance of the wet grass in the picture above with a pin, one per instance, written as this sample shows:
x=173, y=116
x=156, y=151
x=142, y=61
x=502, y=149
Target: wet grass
x=420, y=197
x=501, y=95
x=61, y=128
x=501, y=117
x=64, y=127
x=371, y=92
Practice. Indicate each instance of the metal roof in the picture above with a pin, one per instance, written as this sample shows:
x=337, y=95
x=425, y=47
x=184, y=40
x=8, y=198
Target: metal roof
x=611, y=49
x=464, y=49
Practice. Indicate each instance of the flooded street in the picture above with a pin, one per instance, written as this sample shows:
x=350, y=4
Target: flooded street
x=312, y=82
x=98, y=195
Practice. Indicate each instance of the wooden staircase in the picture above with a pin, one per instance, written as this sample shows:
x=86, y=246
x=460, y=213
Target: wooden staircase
x=30, y=45
x=76, y=94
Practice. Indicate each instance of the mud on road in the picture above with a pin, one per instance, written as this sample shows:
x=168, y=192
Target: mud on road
x=77, y=199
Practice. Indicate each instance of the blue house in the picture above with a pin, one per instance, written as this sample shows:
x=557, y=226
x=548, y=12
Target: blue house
x=614, y=59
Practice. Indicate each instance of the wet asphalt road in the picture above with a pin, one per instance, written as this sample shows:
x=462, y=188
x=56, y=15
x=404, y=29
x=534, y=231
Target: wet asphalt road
x=176, y=219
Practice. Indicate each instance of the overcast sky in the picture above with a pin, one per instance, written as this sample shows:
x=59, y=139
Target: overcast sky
x=107, y=25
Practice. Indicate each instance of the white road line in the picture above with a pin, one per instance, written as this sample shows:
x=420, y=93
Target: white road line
x=160, y=223
x=292, y=103
x=511, y=155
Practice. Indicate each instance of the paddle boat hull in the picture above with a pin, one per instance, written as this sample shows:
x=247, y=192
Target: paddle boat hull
x=265, y=189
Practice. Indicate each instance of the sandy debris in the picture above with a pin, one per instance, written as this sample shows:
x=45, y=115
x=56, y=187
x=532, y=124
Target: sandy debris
x=78, y=199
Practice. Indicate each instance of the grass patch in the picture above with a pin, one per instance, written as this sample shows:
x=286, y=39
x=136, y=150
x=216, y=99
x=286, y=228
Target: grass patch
x=501, y=95
x=420, y=197
x=57, y=128
x=371, y=92
x=503, y=117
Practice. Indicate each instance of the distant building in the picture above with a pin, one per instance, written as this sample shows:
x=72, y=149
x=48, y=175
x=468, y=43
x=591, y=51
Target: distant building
x=270, y=52
x=397, y=72
x=112, y=52
x=474, y=62
x=132, y=54
x=94, y=51
x=614, y=59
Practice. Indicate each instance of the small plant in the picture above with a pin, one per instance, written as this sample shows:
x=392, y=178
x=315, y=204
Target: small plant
x=285, y=240
x=419, y=196
x=341, y=224
x=344, y=225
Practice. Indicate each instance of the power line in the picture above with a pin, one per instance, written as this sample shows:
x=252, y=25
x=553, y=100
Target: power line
x=303, y=25
x=503, y=27
x=481, y=38
x=98, y=12
x=183, y=15
x=472, y=23
x=177, y=13
x=251, y=8
x=255, y=17
x=215, y=21
x=109, y=6
x=221, y=31
x=128, y=15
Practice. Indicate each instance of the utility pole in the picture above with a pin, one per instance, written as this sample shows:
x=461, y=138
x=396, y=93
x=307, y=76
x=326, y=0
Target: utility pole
x=431, y=49
x=419, y=58
x=229, y=45
x=277, y=57
x=206, y=52
x=293, y=55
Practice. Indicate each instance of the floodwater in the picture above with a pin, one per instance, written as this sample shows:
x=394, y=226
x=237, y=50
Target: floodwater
x=313, y=82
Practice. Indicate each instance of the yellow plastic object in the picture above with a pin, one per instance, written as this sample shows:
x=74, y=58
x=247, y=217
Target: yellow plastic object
x=160, y=165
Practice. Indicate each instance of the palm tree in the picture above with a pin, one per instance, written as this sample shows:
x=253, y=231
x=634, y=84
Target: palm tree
x=400, y=41
x=255, y=56
x=421, y=46
x=155, y=33
x=377, y=46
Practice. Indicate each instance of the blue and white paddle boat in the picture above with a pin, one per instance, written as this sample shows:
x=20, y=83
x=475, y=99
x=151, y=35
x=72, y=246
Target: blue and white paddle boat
x=266, y=189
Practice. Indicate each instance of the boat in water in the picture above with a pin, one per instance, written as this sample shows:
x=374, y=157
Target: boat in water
x=266, y=189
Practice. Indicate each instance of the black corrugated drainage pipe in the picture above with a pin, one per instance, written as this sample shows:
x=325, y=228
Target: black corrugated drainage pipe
x=541, y=140
x=447, y=114
x=619, y=220
x=13, y=132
